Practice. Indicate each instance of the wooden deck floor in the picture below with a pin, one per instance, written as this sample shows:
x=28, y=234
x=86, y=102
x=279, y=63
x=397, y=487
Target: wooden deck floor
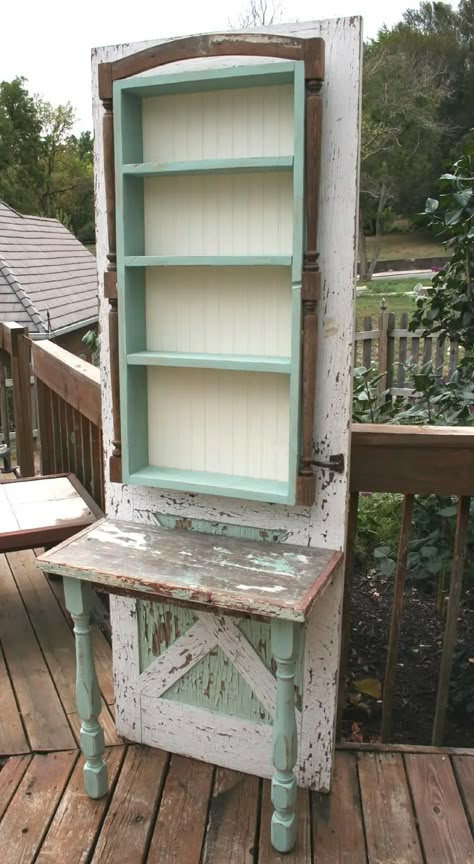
x=384, y=808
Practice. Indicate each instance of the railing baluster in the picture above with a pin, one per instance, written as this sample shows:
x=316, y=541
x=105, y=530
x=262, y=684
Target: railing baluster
x=45, y=429
x=20, y=362
x=4, y=418
x=86, y=453
x=450, y=633
x=58, y=450
x=394, y=637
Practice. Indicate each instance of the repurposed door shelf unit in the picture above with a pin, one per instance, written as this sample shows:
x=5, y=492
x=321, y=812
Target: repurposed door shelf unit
x=226, y=635
x=213, y=198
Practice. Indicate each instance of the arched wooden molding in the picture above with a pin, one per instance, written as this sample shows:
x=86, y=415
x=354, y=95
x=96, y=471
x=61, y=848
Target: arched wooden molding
x=311, y=52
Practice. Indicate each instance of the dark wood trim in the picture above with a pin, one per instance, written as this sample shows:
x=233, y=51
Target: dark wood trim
x=310, y=51
x=116, y=465
x=32, y=538
x=110, y=284
x=313, y=137
x=110, y=276
x=310, y=289
x=92, y=505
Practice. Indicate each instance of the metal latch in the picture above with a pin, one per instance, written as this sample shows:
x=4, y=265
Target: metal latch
x=335, y=463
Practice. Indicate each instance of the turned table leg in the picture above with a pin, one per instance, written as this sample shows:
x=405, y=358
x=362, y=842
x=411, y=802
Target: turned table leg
x=80, y=602
x=283, y=832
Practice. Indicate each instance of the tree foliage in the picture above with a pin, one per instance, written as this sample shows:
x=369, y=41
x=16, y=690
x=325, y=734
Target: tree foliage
x=417, y=110
x=448, y=308
x=44, y=168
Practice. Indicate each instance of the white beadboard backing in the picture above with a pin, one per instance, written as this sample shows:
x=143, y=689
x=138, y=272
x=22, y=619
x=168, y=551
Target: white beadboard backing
x=223, y=124
x=228, y=310
x=237, y=214
x=219, y=421
x=324, y=524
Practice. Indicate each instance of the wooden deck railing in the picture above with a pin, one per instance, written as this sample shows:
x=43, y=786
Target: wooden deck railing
x=69, y=416
x=405, y=459
x=412, y=460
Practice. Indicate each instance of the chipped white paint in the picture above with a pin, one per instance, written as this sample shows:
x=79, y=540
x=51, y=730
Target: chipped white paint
x=222, y=740
x=322, y=639
x=194, y=731
x=126, y=669
x=112, y=534
x=272, y=589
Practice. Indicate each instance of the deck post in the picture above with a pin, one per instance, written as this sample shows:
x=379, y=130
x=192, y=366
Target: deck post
x=80, y=602
x=283, y=831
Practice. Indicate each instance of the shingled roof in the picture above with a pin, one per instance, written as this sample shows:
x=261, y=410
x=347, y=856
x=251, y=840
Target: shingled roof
x=48, y=280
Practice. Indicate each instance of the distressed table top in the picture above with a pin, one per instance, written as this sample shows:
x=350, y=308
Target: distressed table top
x=43, y=510
x=266, y=579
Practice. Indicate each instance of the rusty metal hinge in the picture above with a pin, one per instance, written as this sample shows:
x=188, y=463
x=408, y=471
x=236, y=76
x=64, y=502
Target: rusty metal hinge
x=335, y=463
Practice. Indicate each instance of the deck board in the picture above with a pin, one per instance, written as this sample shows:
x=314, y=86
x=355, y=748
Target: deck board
x=464, y=771
x=338, y=832
x=33, y=805
x=179, y=831
x=12, y=733
x=390, y=825
x=64, y=842
x=10, y=777
x=179, y=810
x=39, y=703
x=55, y=638
x=232, y=829
x=129, y=822
x=443, y=824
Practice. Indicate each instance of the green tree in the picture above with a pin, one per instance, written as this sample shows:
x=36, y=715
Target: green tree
x=405, y=86
x=20, y=147
x=45, y=169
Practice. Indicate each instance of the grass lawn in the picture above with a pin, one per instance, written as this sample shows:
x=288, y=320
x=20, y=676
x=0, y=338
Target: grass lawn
x=392, y=291
x=412, y=244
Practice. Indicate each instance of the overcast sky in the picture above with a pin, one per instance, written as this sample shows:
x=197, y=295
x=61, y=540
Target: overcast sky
x=49, y=41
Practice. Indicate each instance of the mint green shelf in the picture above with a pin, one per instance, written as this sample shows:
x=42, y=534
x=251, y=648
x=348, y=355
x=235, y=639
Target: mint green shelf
x=205, y=482
x=232, y=77
x=203, y=166
x=243, y=363
x=207, y=260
